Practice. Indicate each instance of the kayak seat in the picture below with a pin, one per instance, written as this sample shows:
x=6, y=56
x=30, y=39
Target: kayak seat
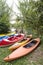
x=22, y=40
x=10, y=38
x=18, y=36
x=32, y=43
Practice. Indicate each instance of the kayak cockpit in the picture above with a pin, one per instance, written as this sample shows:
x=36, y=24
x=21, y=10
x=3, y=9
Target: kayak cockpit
x=32, y=43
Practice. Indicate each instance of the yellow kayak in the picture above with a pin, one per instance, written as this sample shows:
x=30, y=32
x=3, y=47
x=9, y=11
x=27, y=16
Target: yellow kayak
x=18, y=44
x=2, y=34
x=11, y=33
x=7, y=34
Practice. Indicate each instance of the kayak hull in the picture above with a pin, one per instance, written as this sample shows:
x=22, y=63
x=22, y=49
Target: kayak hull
x=11, y=40
x=7, y=34
x=18, y=44
x=22, y=51
x=4, y=37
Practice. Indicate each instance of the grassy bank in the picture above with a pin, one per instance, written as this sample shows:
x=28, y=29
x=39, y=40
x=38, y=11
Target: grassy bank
x=34, y=58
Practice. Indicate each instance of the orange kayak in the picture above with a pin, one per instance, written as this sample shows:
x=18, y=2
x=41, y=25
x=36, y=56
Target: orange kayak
x=22, y=42
x=23, y=50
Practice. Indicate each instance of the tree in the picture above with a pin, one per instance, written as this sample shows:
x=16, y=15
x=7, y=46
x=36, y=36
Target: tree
x=4, y=17
x=32, y=14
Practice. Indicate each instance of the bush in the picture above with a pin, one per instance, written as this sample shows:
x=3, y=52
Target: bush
x=4, y=17
x=4, y=28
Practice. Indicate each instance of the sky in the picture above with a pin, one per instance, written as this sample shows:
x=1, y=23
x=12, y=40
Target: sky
x=12, y=2
x=14, y=7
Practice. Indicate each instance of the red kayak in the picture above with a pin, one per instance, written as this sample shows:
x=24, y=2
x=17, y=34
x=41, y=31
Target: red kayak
x=11, y=40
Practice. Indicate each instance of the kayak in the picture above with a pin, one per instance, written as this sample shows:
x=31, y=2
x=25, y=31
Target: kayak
x=3, y=37
x=23, y=50
x=22, y=42
x=11, y=34
x=11, y=40
x=6, y=37
x=7, y=34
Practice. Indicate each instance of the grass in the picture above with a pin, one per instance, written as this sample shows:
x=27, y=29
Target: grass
x=34, y=58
